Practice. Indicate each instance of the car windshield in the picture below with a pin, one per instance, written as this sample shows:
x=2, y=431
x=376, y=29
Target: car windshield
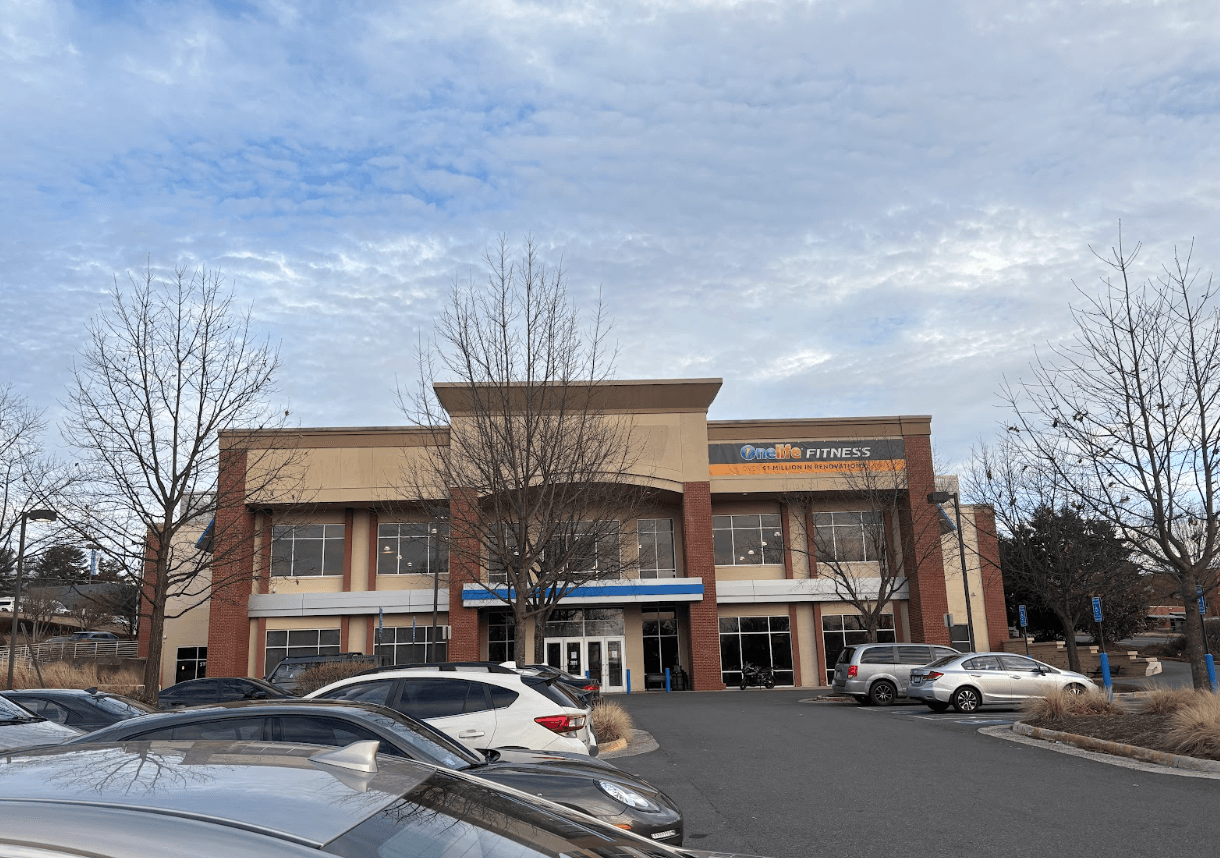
x=10, y=711
x=122, y=706
x=429, y=741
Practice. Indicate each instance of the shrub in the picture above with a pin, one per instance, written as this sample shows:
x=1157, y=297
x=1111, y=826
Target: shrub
x=324, y=674
x=84, y=674
x=1173, y=648
x=1159, y=700
x=1194, y=729
x=610, y=721
x=1061, y=704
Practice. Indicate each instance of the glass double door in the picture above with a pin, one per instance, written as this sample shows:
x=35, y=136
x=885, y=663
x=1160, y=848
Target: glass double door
x=598, y=658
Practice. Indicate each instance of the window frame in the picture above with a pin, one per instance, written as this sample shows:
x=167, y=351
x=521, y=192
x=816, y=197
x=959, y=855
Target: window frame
x=735, y=538
x=332, y=539
x=843, y=526
x=648, y=542
x=434, y=535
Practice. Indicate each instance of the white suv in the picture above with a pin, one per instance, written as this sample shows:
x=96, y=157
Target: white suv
x=485, y=706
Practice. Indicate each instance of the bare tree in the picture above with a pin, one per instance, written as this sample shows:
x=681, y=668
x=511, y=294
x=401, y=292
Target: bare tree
x=1052, y=550
x=523, y=440
x=171, y=366
x=27, y=478
x=858, y=550
x=1126, y=416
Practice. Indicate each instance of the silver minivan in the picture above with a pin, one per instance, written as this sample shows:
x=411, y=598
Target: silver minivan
x=878, y=673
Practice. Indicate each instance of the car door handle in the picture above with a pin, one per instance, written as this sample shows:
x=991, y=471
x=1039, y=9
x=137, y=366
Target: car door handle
x=470, y=734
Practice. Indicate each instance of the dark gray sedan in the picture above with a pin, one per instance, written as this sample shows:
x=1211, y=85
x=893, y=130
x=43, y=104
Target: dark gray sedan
x=582, y=783
x=86, y=710
x=238, y=799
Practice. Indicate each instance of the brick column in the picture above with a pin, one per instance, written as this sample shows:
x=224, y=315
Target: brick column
x=232, y=571
x=148, y=587
x=464, y=566
x=701, y=563
x=993, y=581
x=921, y=548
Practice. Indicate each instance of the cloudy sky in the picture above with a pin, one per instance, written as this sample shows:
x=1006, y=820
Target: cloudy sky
x=862, y=208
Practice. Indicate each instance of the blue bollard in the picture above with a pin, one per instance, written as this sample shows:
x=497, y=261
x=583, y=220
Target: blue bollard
x=1105, y=676
x=667, y=680
x=1211, y=672
x=628, y=680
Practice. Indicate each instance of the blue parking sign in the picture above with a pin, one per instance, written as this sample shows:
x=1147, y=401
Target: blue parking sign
x=1021, y=611
x=1097, y=609
x=1202, y=603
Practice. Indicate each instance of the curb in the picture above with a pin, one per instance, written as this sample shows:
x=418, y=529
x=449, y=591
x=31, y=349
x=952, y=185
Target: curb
x=611, y=747
x=1175, y=761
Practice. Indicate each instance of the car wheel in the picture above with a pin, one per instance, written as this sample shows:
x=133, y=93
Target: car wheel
x=883, y=692
x=966, y=699
x=1074, y=688
x=937, y=706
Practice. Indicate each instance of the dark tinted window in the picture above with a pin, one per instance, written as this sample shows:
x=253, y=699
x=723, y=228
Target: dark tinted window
x=230, y=729
x=845, y=655
x=914, y=654
x=198, y=691
x=439, y=698
x=501, y=697
x=377, y=691
x=555, y=692
x=944, y=652
x=877, y=655
x=329, y=731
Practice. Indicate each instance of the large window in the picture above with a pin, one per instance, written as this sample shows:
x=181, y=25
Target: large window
x=192, y=663
x=760, y=641
x=747, y=540
x=411, y=644
x=586, y=549
x=656, y=540
x=847, y=536
x=502, y=551
x=660, y=637
x=412, y=548
x=303, y=550
x=501, y=636
x=284, y=642
x=840, y=631
x=585, y=623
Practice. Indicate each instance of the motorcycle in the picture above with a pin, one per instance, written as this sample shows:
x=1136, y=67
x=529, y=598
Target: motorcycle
x=752, y=674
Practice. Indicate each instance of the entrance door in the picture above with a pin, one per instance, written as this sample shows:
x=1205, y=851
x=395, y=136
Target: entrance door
x=599, y=658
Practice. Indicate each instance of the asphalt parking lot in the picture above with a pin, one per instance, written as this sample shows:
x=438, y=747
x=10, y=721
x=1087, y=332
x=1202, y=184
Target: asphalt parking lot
x=763, y=772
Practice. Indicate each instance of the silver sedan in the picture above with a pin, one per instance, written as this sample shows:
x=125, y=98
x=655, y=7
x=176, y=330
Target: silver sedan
x=969, y=681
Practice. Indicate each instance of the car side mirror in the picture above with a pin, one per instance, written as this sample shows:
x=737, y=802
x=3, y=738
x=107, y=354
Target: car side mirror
x=259, y=695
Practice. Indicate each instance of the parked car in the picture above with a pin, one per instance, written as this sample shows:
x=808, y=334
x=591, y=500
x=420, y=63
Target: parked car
x=247, y=799
x=485, y=706
x=287, y=673
x=6, y=604
x=194, y=692
x=85, y=710
x=20, y=728
x=592, y=786
x=94, y=636
x=969, y=681
x=878, y=673
x=585, y=690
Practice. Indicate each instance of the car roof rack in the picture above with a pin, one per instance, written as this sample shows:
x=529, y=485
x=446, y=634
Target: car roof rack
x=454, y=666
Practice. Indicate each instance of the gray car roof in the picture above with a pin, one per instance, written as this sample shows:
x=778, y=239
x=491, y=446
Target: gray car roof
x=267, y=787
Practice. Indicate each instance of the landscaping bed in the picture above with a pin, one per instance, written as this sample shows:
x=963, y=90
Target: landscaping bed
x=1142, y=729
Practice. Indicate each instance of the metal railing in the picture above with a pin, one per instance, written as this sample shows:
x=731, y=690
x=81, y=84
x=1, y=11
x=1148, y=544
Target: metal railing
x=73, y=651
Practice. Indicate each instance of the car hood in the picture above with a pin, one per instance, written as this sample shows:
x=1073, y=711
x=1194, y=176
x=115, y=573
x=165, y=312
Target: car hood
x=534, y=766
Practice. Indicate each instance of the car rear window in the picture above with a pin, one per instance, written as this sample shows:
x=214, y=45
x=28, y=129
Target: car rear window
x=877, y=655
x=845, y=655
x=941, y=662
x=553, y=692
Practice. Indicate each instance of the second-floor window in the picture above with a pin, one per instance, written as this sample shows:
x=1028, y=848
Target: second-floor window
x=586, y=549
x=301, y=550
x=747, y=540
x=656, y=541
x=408, y=548
x=847, y=536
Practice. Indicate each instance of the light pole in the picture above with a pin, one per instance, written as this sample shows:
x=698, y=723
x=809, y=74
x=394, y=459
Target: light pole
x=28, y=515
x=941, y=497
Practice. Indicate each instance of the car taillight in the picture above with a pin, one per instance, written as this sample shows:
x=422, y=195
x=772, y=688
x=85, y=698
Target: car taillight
x=590, y=687
x=561, y=723
x=851, y=672
x=932, y=676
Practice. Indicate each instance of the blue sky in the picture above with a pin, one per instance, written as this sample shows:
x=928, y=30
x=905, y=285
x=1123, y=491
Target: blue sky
x=840, y=208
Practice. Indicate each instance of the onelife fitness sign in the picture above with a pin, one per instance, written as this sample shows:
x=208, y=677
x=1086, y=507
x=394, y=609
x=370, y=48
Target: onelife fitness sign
x=805, y=457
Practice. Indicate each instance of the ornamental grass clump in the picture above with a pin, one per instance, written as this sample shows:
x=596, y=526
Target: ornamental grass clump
x=1194, y=729
x=85, y=674
x=610, y=721
x=322, y=675
x=1159, y=700
x=1060, y=704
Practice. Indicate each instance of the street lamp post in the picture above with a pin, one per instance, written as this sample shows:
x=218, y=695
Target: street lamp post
x=28, y=515
x=941, y=497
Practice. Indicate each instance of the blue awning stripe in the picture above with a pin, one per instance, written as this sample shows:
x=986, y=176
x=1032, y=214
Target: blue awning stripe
x=476, y=593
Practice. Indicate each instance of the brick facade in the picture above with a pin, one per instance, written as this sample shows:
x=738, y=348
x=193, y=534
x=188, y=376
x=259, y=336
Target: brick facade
x=921, y=545
x=993, y=581
x=464, y=567
x=232, y=571
x=701, y=563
